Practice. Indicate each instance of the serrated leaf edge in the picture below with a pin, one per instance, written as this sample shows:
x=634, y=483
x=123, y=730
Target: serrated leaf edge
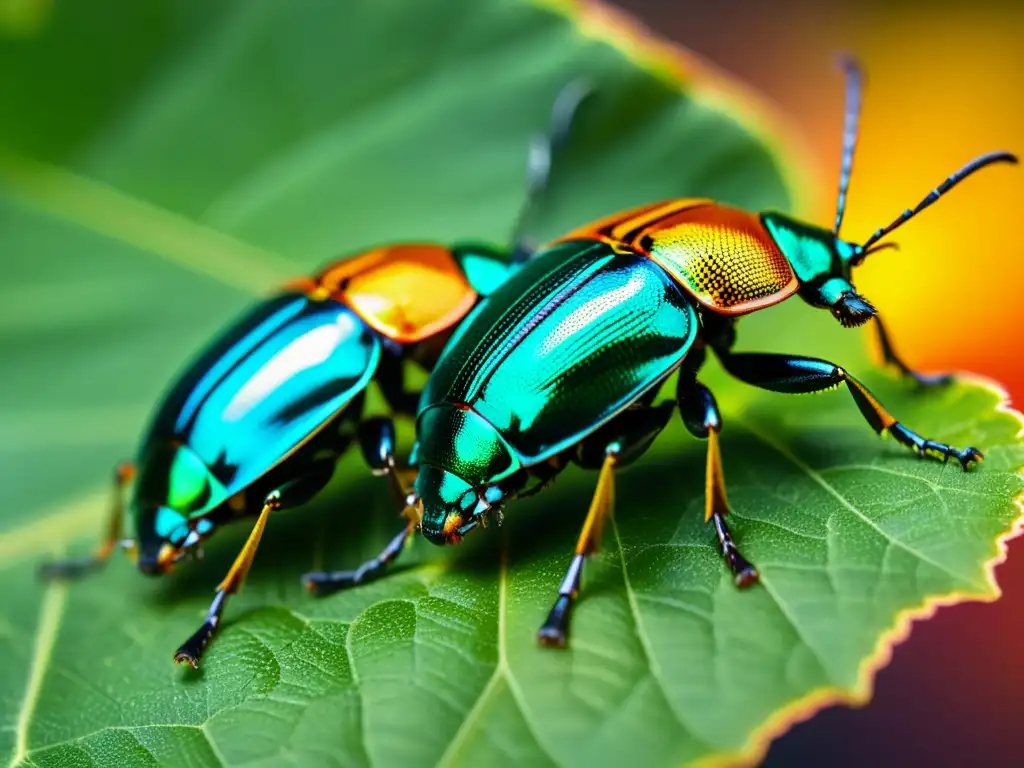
x=51, y=189
x=860, y=694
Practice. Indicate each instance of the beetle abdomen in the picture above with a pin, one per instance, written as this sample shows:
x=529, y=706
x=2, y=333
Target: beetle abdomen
x=578, y=334
x=723, y=257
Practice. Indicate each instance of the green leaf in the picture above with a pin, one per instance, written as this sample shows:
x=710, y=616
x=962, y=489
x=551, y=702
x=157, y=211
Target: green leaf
x=165, y=161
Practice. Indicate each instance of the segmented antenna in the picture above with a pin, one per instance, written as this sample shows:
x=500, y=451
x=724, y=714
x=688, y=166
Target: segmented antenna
x=544, y=146
x=850, y=122
x=975, y=165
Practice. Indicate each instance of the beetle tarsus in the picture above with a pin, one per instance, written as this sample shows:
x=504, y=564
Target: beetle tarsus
x=322, y=583
x=555, y=631
x=76, y=567
x=744, y=573
x=933, y=449
x=190, y=651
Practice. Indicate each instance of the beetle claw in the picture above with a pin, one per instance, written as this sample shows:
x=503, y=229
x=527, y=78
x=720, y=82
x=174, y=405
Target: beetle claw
x=926, y=380
x=185, y=658
x=555, y=632
x=932, y=449
x=746, y=576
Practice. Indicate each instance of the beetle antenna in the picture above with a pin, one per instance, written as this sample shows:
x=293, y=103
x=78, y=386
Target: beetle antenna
x=541, y=155
x=862, y=253
x=851, y=119
x=881, y=247
x=975, y=165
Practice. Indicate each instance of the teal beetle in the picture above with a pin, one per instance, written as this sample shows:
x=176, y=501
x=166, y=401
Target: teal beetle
x=258, y=421
x=563, y=362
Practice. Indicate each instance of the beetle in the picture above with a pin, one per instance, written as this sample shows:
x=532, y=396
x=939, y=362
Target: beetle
x=257, y=422
x=563, y=362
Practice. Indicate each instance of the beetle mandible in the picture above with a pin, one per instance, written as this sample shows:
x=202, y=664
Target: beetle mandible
x=563, y=362
x=258, y=421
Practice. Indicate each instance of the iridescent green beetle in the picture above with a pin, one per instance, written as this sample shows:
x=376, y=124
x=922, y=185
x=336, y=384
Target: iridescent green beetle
x=563, y=362
x=258, y=421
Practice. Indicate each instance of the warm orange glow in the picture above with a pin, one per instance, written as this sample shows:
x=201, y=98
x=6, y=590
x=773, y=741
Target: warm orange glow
x=942, y=86
x=952, y=293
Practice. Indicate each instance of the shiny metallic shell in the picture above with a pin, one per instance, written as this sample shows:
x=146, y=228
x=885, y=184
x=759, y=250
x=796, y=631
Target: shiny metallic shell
x=722, y=256
x=569, y=341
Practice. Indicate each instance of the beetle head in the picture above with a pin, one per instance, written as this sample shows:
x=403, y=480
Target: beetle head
x=173, y=491
x=165, y=537
x=450, y=507
x=822, y=260
x=823, y=264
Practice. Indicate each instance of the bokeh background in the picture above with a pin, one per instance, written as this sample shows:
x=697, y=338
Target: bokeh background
x=945, y=81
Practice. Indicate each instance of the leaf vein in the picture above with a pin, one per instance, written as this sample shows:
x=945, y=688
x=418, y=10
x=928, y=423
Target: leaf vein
x=51, y=615
x=653, y=668
x=156, y=230
x=502, y=672
x=815, y=476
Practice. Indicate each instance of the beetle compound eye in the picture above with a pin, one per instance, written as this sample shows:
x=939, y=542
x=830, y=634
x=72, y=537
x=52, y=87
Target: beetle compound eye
x=852, y=310
x=468, y=503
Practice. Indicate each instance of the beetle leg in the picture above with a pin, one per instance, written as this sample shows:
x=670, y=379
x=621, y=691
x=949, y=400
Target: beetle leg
x=543, y=475
x=391, y=378
x=322, y=583
x=74, y=568
x=377, y=443
x=890, y=357
x=794, y=375
x=190, y=651
x=555, y=630
x=615, y=445
x=700, y=414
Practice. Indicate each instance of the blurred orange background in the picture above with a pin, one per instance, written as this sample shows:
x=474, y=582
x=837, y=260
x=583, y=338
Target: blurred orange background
x=944, y=83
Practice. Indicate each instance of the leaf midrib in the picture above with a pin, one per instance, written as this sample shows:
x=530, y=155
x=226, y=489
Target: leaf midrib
x=502, y=672
x=149, y=227
x=51, y=614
